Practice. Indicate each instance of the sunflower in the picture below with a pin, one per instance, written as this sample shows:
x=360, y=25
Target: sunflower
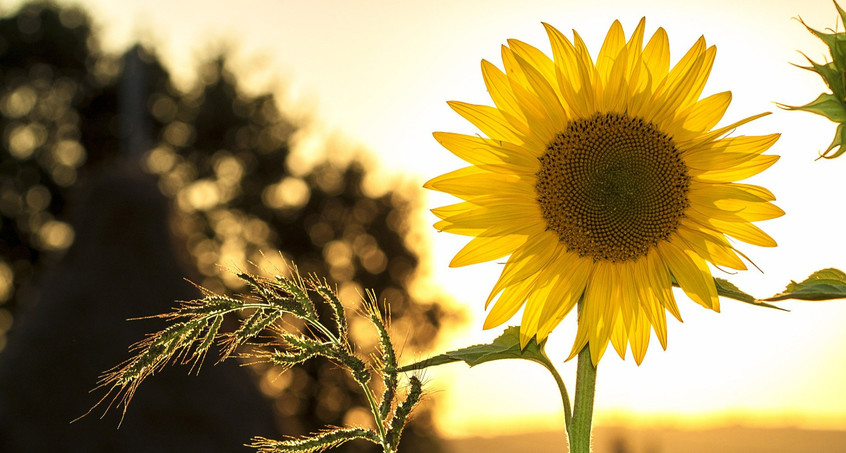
x=603, y=181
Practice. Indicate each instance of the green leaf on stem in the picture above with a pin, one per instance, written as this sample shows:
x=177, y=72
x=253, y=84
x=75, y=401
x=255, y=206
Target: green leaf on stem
x=505, y=346
x=825, y=284
x=728, y=289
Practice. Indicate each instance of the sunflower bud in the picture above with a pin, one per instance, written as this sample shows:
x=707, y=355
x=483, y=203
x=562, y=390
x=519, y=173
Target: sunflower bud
x=830, y=105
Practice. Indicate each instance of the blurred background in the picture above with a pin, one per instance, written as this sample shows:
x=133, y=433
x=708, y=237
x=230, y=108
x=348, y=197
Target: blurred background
x=144, y=143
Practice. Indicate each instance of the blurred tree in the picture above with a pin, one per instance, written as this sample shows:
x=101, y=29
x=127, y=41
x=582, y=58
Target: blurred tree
x=220, y=155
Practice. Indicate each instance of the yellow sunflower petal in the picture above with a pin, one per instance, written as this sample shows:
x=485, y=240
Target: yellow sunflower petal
x=660, y=284
x=537, y=59
x=690, y=140
x=629, y=302
x=711, y=247
x=713, y=192
x=705, y=114
x=635, y=43
x=450, y=210
x=567, y=73
x=527, y=228
x=639, y=336
x=692, y=274
x=615, y=94
x=534, y=110
x=509, y=303
x=473, y=181
x=619, y=338
x=752, y=212
x=587, y=72
x=650, y=306
x=741, y=171
x=500, y=90
x=743, y=206
x=656, y=55
x=681, y=86
x=485, y=248
x=484, y=217
x=743, y=231
x=687, y=62
x=615, y=40
x=599, y=314
x=489, y=120
x=727, y=152
x=540, y=296
x=552, y=111
x=481, y=151
x=753, y=190
x=576, y=272
x=529, y=260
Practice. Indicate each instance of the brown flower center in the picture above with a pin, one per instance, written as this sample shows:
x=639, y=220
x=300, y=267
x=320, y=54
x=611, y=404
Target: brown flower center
x=612, y=186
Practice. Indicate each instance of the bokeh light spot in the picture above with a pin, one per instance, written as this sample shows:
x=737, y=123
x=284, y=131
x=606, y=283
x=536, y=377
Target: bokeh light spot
x=38, y=198
x=160, y=160
x=23, y=140
x=6, y=281
x=201, y=195
x=19, y=103
x=228, y=169
x=289, y=193
x=63, y=175
x=55, y=235
x=69, y=153
x=178, y=134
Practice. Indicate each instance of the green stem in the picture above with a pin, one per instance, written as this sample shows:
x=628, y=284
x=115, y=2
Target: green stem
x=312, y=322
x=562, y=390
x=380, y=425
x=374, y=408
x=579, y=429
x=317, y=325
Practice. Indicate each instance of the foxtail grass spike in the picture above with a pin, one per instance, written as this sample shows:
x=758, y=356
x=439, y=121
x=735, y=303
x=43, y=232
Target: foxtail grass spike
x=388, y=357
x=404, y=410
x=196, y=325
x=314, y=443
x=337, y=309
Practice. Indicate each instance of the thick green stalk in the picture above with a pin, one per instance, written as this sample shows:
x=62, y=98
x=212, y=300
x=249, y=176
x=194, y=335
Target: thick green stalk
x=579, y=429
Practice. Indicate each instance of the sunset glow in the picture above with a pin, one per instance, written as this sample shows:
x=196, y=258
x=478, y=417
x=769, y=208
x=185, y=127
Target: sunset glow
x=376, y=76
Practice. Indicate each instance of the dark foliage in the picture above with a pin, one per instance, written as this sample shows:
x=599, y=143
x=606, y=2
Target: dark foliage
x=220, y=156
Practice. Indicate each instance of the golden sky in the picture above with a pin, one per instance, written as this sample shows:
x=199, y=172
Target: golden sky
x=377, y=74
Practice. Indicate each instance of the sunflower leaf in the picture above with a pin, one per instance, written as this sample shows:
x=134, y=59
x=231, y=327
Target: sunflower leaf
x=825, y=284
x=505, y=346
x=728, y=289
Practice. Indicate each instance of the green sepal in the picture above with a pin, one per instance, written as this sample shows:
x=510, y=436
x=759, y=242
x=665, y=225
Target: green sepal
x=829, y=72
x=505, y=346
x=834, y=41
x=839, y=139
x=825, y=284
x=831, y=105
x=827, y=105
